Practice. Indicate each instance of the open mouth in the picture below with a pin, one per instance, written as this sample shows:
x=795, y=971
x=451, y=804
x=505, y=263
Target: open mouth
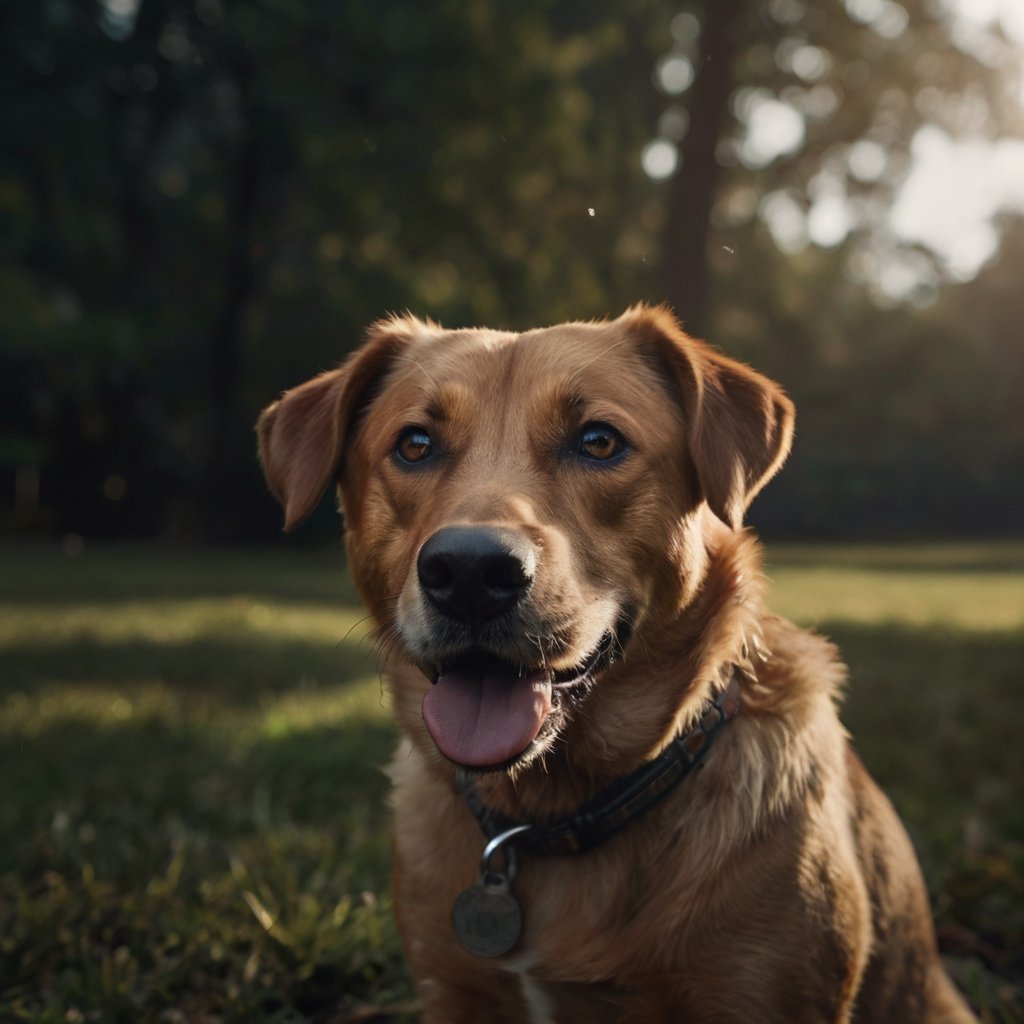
x=486, y=713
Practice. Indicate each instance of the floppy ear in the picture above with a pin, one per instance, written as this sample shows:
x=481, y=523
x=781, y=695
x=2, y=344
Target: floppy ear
x=739, y=423
x=302, y=435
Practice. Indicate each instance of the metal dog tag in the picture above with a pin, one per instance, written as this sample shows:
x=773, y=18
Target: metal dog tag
x=486, y=917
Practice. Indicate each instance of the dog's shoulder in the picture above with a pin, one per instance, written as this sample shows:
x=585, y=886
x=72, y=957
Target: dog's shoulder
x=799, y=665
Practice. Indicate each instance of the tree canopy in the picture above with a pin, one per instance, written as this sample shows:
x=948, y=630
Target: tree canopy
x=204, y=202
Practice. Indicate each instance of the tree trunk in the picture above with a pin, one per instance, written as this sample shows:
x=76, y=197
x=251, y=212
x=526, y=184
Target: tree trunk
x=225, y=337
x=692, y=188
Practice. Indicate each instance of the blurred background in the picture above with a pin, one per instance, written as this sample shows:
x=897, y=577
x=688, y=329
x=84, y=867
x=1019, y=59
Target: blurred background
x=203, y=202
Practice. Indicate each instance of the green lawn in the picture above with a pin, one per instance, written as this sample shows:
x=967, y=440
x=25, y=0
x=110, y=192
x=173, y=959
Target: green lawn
x=194, y=826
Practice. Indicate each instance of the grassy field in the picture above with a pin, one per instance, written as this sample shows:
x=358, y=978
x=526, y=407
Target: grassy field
x=194, y=826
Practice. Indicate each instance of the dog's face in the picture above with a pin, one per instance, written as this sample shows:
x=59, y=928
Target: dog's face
x=511, y=492
x=516, y=505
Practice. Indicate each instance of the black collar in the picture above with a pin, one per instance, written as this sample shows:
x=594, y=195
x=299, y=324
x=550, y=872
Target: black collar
x=602, y=816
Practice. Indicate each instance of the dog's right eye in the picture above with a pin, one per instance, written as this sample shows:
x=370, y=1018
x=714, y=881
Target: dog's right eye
x=601, y=443
x=414, y=446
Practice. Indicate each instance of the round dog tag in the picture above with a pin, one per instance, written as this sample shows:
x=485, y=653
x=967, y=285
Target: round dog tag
x=486, y=919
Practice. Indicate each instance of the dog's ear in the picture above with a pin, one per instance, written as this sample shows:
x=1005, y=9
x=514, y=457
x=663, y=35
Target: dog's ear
x=739, y=423
x=302, y=435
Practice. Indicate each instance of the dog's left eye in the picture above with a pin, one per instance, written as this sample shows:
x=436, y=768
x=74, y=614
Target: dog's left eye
x=601, y=443
x=414, y=446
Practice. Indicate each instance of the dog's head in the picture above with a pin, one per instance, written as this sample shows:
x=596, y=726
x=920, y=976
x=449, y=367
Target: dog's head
x=517, y=504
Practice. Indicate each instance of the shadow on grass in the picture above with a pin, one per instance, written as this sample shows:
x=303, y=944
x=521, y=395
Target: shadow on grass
x=124, y=572
x=937, y=715
x=936, y=709
x=227, y=668
x=130, y=780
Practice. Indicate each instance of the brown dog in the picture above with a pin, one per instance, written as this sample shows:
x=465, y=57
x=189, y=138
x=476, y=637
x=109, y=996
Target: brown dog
x=547, y=529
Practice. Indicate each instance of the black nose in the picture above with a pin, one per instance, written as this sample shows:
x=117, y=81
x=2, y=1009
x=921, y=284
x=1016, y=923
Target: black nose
x=473, y=573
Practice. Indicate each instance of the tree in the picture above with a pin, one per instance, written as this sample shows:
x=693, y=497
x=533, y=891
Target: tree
x=802, y=115
x=227, y=191
x=205, y=201
x=695, y=185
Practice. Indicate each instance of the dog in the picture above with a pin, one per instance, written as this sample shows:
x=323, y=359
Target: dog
x=623, y=792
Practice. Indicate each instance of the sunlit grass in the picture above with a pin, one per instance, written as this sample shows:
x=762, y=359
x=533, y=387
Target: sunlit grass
x=195, y=823
x=965, y=587
x=164, y=621
x=100, y=707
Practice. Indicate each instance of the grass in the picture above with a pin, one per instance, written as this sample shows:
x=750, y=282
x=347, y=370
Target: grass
x=194, y=825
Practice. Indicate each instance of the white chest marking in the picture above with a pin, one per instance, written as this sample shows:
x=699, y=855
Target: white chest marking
x=539, y=1005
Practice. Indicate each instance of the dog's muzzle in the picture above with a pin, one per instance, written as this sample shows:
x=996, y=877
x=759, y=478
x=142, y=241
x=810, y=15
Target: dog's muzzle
x=496, y=699
x=482, y=710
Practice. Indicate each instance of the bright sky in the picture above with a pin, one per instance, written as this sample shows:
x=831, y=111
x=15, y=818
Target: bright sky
x=956, y=187
x=951, y=194
x=953, y=191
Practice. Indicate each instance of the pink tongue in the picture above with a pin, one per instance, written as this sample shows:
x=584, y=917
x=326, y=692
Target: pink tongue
x=482, y=719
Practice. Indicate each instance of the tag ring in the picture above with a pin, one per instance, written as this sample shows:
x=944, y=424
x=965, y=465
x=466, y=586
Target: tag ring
x=510, y=854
